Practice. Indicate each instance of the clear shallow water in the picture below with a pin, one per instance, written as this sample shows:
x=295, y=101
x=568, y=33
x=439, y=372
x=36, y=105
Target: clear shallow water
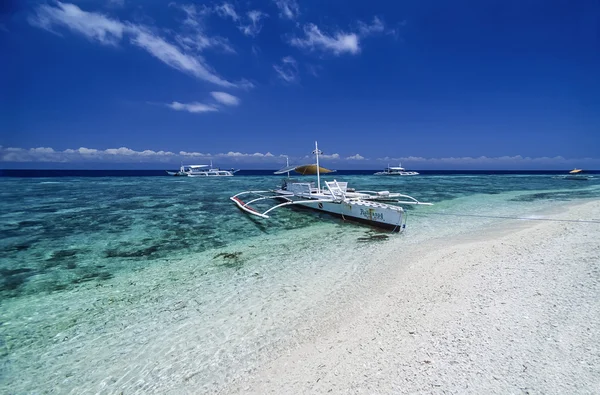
x=97, y=271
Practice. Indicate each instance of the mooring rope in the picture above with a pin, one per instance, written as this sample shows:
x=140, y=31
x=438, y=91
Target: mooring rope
x=593, y=221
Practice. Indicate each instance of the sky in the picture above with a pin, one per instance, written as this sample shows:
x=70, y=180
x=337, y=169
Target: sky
x=429, y=84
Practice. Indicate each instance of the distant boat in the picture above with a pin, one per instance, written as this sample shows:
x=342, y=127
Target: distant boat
x=575, y=174
x=202, y=171
x=396, y=171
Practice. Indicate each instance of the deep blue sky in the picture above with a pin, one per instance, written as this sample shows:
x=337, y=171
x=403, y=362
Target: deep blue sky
x=434, y=84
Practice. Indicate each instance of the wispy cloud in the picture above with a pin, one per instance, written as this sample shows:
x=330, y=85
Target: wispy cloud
x=94, y=26
x=288, y=8
x=172, y=56
x=322, y=156
x=107, y=31
x=249, y=24
x=255, y=25
x=225, y=98
x=287, y=70
x=227, y=10
x=194, y=36
x=220, y=99
x=376, y=26
x=337, y=43
x=356, y=157
x=194, y=107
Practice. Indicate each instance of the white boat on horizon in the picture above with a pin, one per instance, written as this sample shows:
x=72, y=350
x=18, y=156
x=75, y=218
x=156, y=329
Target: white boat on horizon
x=202, y=171
x=371, y=207
x=575, y=174
x=396, y=171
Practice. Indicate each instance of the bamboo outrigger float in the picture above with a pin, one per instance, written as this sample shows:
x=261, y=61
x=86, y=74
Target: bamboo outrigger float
x=335, y=198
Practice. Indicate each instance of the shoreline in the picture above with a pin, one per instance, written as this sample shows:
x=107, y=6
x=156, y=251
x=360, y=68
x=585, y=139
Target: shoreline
x=507, y=310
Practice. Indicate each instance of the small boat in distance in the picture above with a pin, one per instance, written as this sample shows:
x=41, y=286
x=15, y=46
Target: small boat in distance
x=575, y=174
x=371, y=207
x=201, y=171
x=396, y=171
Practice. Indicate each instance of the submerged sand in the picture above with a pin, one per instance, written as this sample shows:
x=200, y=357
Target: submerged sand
x=512, y=309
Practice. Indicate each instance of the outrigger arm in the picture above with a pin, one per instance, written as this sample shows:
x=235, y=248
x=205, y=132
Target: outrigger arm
x=250, y=210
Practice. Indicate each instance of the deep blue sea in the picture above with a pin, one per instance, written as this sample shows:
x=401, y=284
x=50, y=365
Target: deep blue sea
x=98, y=268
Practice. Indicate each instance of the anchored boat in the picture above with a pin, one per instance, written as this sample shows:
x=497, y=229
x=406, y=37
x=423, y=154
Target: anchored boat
x=396, y=171
x=202, y=171
x=575, y=174
x=371, y=207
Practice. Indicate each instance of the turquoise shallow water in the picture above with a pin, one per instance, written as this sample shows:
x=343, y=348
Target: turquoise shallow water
x=58, y=233
x=132, y=263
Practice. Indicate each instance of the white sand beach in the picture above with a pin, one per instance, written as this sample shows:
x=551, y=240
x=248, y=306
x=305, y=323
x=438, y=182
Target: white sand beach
x=513, y=309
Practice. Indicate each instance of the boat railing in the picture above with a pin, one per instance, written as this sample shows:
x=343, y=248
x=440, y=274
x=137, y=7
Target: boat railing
x=385, y=195
x=336, y=190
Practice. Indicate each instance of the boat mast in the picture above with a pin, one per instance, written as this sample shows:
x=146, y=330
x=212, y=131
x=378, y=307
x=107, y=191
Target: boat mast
x=318, y=172
x=287, y=164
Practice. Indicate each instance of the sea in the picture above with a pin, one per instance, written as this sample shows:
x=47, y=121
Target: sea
x=137, y=282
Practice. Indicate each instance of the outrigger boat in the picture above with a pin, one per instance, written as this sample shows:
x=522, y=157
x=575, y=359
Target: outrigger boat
x=396, y=171
x=335, y=198
x=202, y=171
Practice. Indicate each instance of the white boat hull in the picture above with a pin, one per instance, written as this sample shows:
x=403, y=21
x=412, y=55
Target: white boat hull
x=210, y=175
x=373, y=213
x=402, y=173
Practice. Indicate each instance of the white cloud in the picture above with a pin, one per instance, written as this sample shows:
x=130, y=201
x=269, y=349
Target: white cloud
x=124, y=155
x=377, y=26
x=227, y=10
x=107, y=31
x=172, y=56
x=43, y=154
x=120, y=151
x=94, y=26
x=221, y=98
x=119, y=155
x=255, y=25
x=194, y=107
x=43, y=150
x=287, y=70
x=232, y=154
x=194, y=37
x=338, y=43
x=225, y=98
x=249, y=24
x=200, y=42
x=323, y=156
x=194, y=154
x=288, y=8
x=356, y=157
